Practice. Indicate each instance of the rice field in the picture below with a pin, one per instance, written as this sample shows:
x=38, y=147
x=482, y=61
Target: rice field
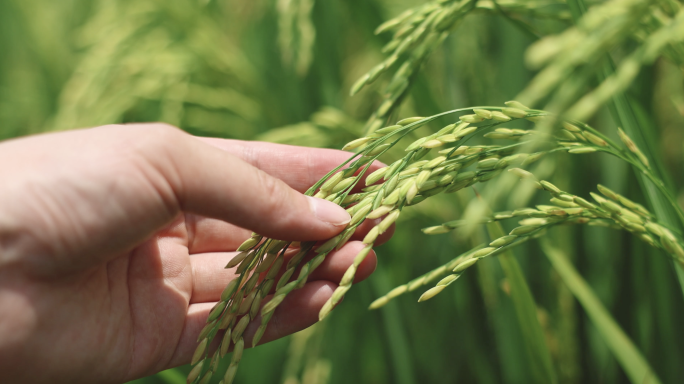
x=548, y=248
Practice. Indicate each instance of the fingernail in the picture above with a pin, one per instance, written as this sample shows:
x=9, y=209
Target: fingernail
x=328, y=212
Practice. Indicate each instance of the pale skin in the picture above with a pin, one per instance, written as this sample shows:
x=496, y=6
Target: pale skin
x=113, y=242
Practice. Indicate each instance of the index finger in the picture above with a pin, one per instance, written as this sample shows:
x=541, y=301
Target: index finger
x=299, y=167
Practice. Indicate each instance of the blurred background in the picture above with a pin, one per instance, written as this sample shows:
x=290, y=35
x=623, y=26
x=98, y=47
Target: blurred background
x=281, y=70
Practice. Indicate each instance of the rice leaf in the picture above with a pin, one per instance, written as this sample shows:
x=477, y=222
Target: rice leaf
x=526, y=310
x=171, y=376
x=628, y=356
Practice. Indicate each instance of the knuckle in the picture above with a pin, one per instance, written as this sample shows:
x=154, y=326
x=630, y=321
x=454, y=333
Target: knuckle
x=273, y=189
x=161, y=132
x=158, y=139
x=140, y=139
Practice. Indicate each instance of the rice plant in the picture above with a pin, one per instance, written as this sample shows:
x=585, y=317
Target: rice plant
x=411, y=180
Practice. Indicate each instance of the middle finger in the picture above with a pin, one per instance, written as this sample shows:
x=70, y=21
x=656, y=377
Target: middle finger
x=210, y=277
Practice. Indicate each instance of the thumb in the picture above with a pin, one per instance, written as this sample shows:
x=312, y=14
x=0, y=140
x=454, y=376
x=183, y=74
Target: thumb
x=211, y=182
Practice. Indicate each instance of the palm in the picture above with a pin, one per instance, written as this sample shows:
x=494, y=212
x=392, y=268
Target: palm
x=130, y=312
x=172, y=280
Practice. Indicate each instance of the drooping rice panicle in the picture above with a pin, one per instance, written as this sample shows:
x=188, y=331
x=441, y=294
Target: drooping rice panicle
x=409, y=181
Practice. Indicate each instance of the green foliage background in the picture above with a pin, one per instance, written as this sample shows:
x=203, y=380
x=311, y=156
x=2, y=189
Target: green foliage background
x=281, y=70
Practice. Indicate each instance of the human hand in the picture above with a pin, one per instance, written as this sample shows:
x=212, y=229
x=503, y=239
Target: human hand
x=113, y=242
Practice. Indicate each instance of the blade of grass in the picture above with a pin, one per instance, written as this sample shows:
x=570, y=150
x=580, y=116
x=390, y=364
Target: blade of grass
x=507, y=337
x=476, y=354
x=395, y=332
x=624, y=116
x=172, y=376
x=628, y=356
x=526, y=311
x=526, y=28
